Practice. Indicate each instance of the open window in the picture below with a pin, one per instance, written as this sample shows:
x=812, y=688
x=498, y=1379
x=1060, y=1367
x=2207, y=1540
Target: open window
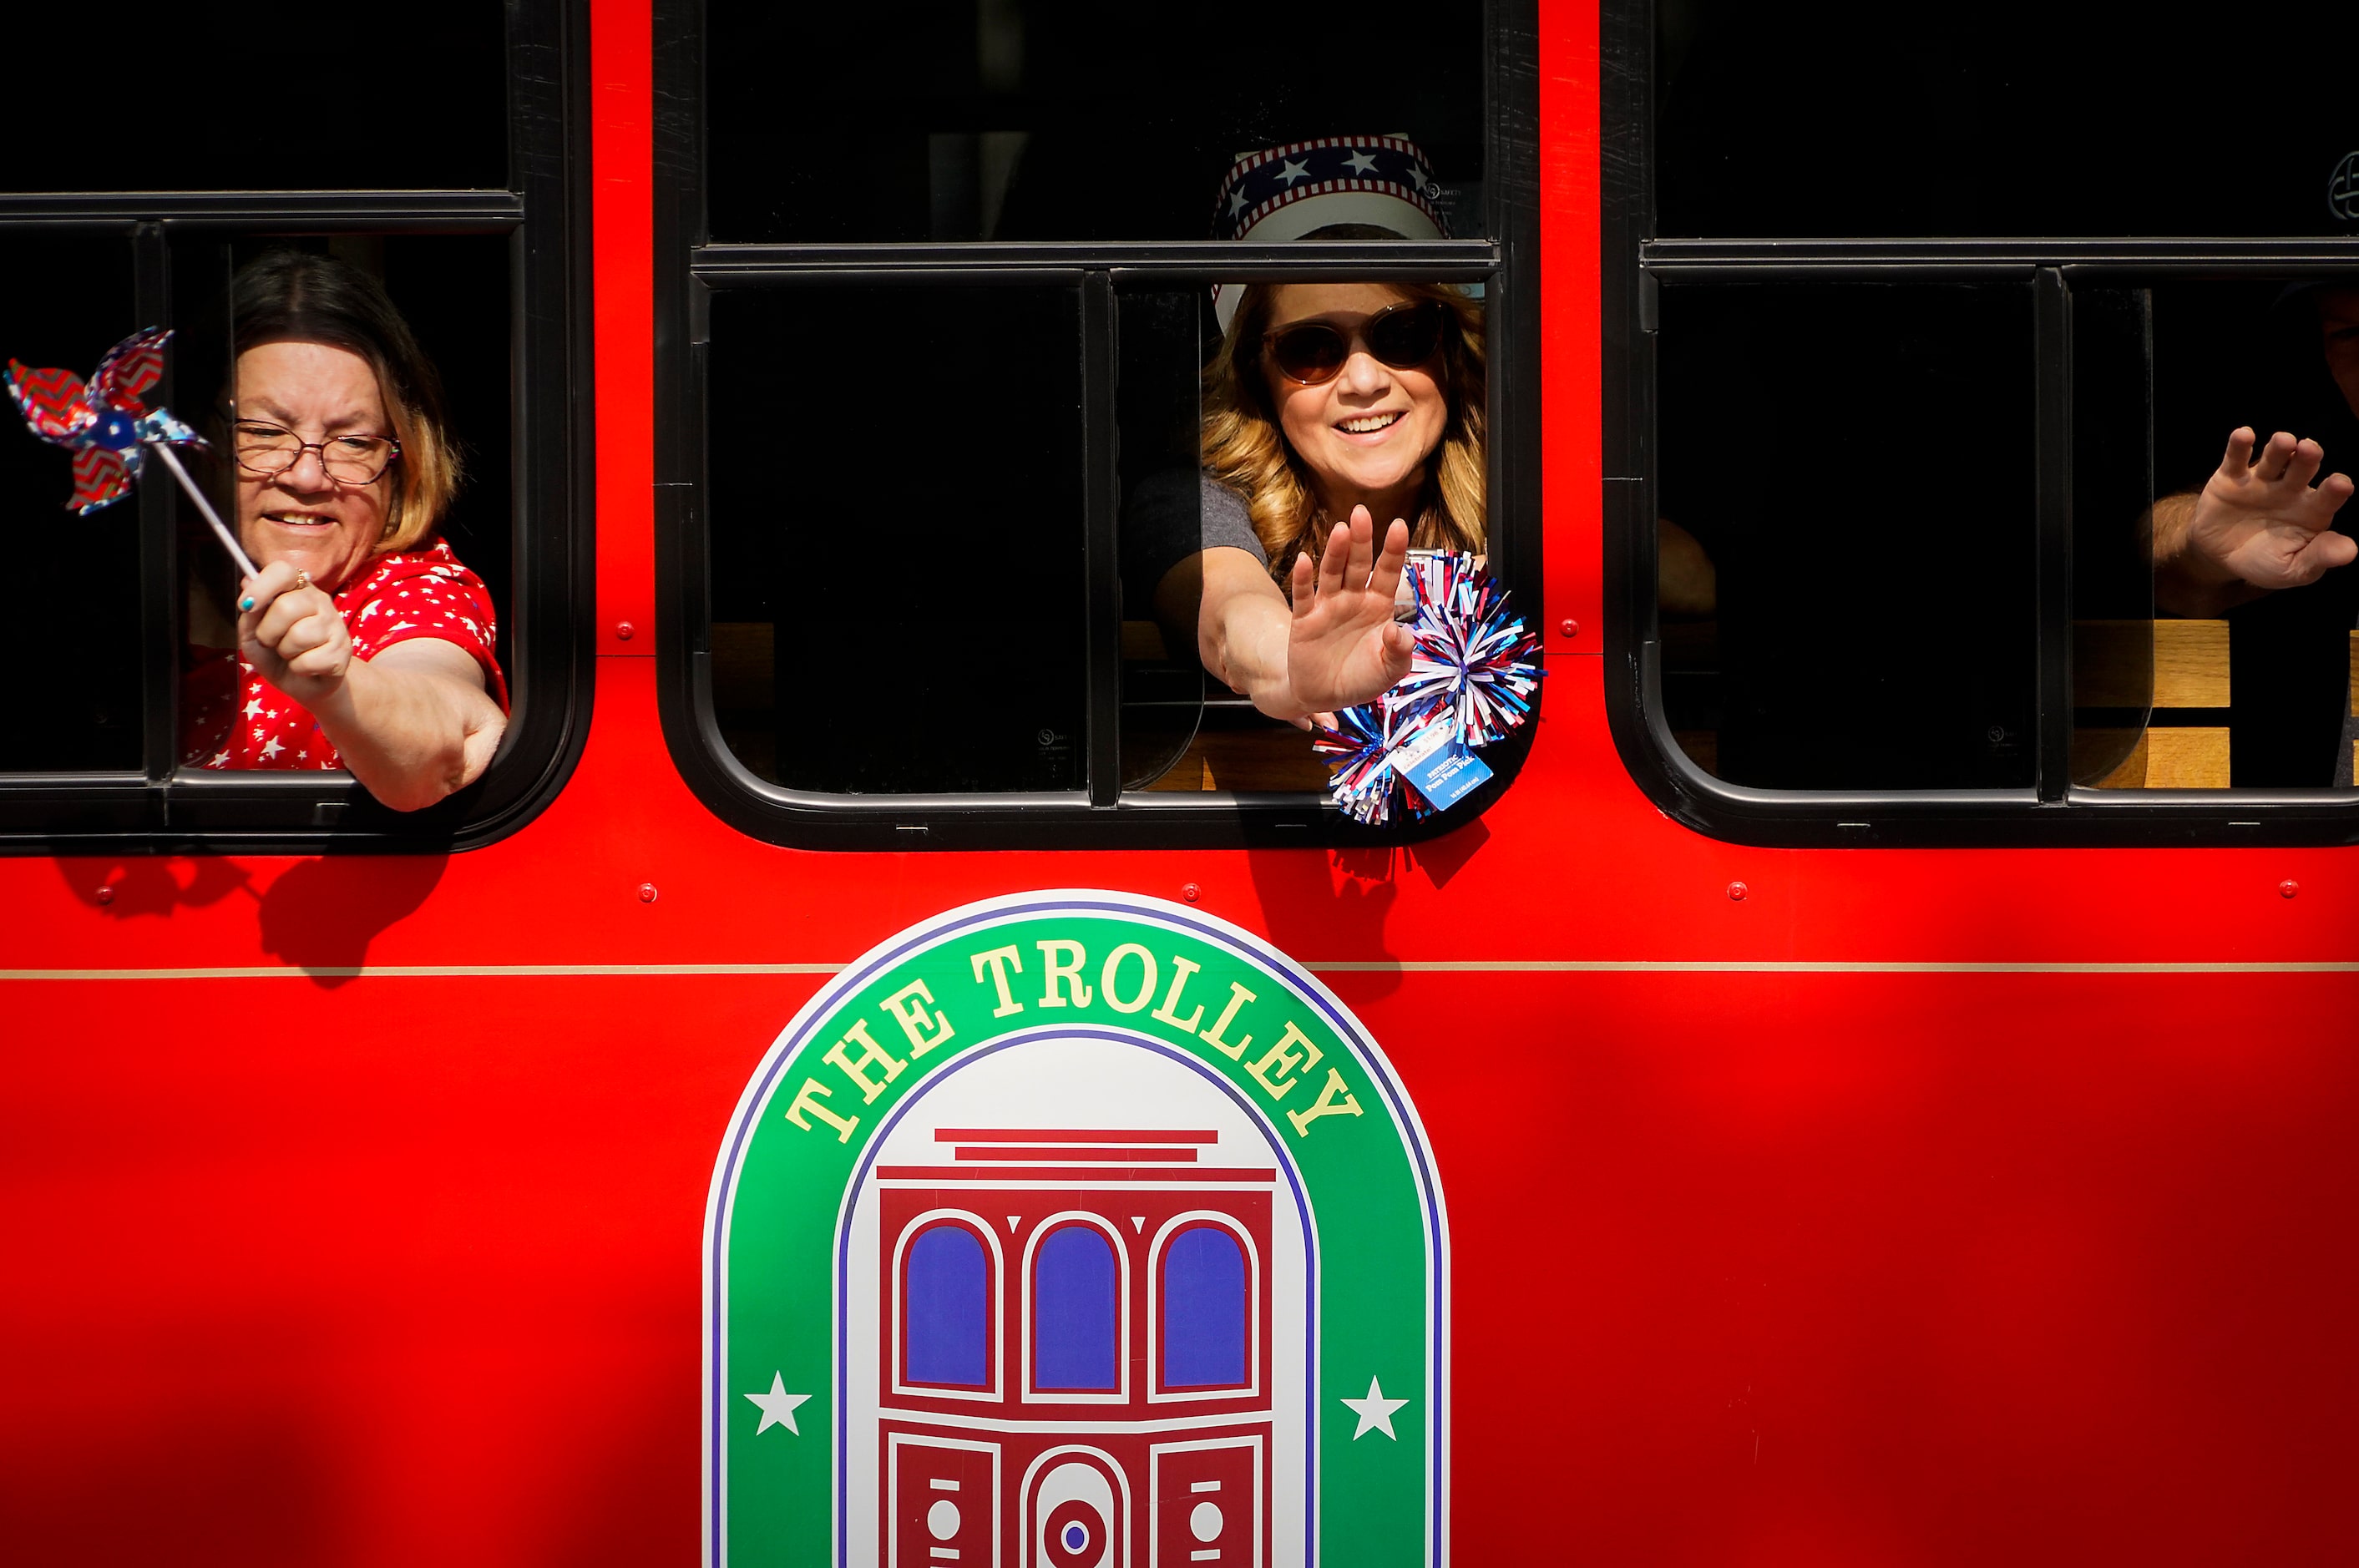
x=919, y=382
x=1922, y=337
x=465, y=217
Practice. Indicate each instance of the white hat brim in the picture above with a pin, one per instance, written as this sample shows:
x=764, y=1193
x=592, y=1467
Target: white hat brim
x=1321, y=211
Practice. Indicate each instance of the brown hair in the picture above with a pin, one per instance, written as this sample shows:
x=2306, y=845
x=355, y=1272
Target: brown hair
x=292, y=296
x=1245, y=449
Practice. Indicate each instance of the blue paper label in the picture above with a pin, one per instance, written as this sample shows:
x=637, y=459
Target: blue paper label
x=1440, y=767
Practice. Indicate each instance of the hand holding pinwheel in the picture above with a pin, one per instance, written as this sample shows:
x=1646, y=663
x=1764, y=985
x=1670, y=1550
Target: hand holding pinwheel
x=110, y=430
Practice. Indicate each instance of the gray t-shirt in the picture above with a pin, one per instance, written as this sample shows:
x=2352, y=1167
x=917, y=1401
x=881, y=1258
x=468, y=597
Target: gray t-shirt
x=1171, y=515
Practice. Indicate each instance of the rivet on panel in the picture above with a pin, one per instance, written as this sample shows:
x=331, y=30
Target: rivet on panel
x=1737, y=892
x=1569, y=627
x=646, y=892
x=1191, y=892
x=2287, y=888
x=106, y=894
x=622, y=631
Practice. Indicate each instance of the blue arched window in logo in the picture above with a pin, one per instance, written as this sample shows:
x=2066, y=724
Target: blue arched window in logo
x=1075, y=1303
x=946, y=1296
x=1205, y=1303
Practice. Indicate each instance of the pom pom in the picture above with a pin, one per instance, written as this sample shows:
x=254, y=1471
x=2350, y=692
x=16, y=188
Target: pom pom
x=1361, y=750
x=1474, y=671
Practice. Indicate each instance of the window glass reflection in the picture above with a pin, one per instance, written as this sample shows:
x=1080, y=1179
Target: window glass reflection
x=896, y=536
x=1847, y=512
x=64, y=302
x=1053, y=119
x=196, y=113
x=1837, y=117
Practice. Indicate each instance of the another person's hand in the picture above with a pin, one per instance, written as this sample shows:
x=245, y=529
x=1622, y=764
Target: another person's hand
x=1344, y=647
x=289, y=631
x=2256, y=525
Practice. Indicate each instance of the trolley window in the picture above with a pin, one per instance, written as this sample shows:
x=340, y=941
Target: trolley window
x=1850, y=117
x=135, y=729
x=931, y=382
x=85, y=717
x=1025, y=120
x=1927, y=536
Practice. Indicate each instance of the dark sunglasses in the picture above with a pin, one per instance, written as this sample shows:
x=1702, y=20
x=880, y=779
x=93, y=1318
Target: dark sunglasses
x=1402, y=336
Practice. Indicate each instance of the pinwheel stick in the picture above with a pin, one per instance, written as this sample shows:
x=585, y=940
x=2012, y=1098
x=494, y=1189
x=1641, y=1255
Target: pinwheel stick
x=220, y=530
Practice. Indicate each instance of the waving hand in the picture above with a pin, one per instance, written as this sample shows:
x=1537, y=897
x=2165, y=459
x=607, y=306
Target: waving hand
x=1344, y=647
x=2262, y=522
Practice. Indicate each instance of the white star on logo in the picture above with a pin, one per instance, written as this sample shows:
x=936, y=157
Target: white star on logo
x=778, y=1406
x=273, y=748
x=253, y=707
x=1288, y=169
x=1236, y=203
x=1361, y=163
x=1376, y=1412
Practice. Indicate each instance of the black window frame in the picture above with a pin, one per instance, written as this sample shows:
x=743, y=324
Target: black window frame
x=1635, y=265
x=163, y=808
x=688, y=268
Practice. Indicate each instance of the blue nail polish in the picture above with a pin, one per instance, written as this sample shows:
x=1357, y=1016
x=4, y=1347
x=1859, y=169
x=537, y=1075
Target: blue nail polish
x=246, y=602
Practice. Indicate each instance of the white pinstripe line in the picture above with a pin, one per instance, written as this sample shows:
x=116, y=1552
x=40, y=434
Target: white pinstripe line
x=1340, y=966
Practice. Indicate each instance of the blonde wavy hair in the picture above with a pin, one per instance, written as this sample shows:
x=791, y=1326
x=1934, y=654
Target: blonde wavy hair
x=1245, y=449
x=290, y=296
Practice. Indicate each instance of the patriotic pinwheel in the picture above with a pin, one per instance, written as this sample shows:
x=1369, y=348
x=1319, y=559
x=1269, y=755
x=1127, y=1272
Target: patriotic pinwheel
x=108, y=427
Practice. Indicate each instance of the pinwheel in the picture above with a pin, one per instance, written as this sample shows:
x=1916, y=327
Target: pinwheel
x=111, y=429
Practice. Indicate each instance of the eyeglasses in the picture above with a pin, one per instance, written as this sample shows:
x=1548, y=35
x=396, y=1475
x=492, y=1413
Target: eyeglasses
x=1401, y=336
x=267, y=451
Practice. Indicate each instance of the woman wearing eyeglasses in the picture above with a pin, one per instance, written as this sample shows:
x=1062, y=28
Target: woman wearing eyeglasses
x=362, y=644
x=1342, y=426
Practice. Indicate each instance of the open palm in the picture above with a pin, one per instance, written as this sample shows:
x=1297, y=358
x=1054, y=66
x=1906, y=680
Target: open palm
x=2263, y=522
x=1344, y=647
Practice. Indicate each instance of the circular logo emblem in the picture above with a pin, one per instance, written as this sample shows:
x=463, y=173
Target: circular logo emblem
x=2343, y=190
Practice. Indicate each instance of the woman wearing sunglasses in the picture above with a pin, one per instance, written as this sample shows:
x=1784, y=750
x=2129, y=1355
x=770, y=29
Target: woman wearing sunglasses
x=1342, y=426
x=362, y=643
x=1328, y=405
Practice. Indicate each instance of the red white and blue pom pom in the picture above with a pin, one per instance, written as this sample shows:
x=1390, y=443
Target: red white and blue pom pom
x=1360, y=770
x=1474, y=674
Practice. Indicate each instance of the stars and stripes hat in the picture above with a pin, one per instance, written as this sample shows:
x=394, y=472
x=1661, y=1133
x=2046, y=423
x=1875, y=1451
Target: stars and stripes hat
x=1287, y=192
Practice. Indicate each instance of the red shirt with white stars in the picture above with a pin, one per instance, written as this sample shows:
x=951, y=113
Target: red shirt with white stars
x=231, y=717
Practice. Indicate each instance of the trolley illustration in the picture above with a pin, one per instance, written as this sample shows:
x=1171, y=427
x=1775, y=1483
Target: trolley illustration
x=1074, y=1352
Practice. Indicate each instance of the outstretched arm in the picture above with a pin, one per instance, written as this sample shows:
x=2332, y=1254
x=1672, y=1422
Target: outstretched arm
x=414, y=724
x=1335, y=647
x=2258, y=525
